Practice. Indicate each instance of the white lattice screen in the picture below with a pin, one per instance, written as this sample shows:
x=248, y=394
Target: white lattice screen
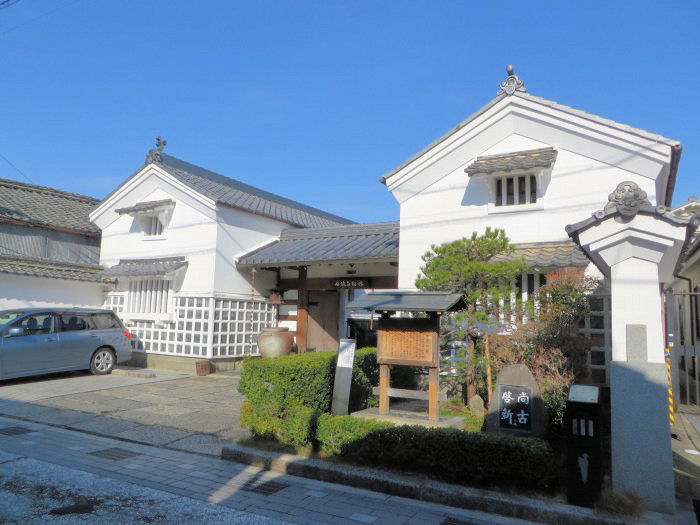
x=201, y=326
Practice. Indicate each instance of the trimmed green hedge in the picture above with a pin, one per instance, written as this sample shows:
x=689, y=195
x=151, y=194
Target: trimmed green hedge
x=470, y=458
x=288, y=397
x=334, y=432
x=299, y=427
x=275, y=386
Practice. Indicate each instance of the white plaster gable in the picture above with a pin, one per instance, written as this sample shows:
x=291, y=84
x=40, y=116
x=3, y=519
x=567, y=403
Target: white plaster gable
x=528, y=121
x=150, y=183
x=513, y=142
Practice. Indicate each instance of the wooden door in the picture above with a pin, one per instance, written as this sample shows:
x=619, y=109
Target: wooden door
x=323, y=321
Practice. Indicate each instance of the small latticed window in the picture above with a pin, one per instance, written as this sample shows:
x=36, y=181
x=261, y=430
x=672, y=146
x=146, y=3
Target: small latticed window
x=518, y=189
x=153, y=225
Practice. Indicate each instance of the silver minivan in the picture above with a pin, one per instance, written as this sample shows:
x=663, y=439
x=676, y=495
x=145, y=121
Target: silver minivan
x=43, y=340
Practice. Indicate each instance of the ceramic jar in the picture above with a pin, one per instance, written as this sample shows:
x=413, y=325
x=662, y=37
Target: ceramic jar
x=274, y=342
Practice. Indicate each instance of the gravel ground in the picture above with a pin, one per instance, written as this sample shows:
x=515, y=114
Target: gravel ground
x=33, y=492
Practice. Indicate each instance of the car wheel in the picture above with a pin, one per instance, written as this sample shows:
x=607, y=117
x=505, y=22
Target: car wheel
x=102, y=361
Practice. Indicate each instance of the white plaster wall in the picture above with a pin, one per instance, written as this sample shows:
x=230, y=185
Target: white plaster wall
x=458, y=205
x=192, y=232
x=18, y=291
x=239, y=233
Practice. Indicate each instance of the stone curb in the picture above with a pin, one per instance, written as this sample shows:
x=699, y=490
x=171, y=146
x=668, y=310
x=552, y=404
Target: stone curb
x=419, y=489
x=143, y=374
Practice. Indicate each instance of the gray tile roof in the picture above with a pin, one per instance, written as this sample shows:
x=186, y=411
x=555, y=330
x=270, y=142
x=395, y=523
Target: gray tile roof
x=408, y=301
x=145, y=206
x=366, y=242
x=520, y=160
x=53, y=270
x=145, y=267
x=549, y=103
x=549, y=254
x=42, y=206
x=230, y=192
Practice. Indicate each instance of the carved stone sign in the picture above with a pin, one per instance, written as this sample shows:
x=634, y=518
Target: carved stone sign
x=516, y=405
x=412, y=342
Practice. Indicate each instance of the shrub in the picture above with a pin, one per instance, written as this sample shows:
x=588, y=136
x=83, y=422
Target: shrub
x=273, y=383
x=334, y=432
x=276, y=385
x=256, y=419
x=299, y=426
x=455, y=456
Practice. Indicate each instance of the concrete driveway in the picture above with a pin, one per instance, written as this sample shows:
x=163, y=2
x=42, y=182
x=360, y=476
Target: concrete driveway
x=198, y=414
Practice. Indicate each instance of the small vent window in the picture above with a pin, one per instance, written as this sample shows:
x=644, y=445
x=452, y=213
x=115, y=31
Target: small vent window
x=153, y=225
x=520, y=189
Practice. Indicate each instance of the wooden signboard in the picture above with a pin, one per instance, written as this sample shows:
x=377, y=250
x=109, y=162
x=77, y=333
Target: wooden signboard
x=409, y=342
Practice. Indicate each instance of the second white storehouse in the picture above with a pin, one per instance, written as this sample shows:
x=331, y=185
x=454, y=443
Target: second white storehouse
x=170, y=235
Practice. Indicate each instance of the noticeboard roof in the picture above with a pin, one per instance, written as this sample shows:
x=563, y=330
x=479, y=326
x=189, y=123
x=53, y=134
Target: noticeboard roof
x=408, y=301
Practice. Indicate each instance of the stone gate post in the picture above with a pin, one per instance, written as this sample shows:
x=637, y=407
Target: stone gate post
x=637, y=246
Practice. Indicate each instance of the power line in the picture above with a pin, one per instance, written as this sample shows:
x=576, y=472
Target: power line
x=7, y=3
x=37, y=17
x=3, y=157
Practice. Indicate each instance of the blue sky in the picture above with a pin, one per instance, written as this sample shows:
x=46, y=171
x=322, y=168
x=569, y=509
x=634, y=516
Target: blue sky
x=317, y=100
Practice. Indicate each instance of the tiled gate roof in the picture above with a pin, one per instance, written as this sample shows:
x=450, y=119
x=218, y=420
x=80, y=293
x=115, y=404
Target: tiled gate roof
x=357, y=242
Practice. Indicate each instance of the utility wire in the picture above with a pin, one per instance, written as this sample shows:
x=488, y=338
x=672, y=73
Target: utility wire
x=3, y=157
x=7, y=3
x=37, y=17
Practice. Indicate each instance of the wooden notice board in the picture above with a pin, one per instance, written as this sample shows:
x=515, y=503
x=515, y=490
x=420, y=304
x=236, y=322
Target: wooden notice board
x=411, y=342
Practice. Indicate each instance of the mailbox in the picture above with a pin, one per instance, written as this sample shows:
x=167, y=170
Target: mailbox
x=584, y=445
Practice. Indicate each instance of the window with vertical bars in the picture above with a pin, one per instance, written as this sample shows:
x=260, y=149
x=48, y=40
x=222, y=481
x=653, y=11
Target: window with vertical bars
x=153, y=226
x=149, y=295
x=518, y=189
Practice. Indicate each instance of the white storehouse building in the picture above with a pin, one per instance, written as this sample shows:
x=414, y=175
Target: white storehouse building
x=171, y=234
x=521, y=163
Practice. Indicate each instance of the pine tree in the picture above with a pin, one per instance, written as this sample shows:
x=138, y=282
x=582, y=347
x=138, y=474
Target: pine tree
x=479, y=268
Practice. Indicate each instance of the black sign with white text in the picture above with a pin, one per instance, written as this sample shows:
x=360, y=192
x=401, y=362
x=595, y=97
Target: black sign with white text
x=515, y=407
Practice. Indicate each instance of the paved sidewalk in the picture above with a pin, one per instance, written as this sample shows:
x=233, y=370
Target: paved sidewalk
x=199, y=414
x=222, y=483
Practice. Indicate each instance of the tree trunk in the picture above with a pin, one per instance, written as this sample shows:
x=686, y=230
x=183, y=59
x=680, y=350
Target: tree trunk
x=489, y=379
x=471, y=374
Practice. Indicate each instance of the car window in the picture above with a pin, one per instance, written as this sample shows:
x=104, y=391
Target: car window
x=6, y=317
x=73, y=322
x=35, y=324
x=106, y=320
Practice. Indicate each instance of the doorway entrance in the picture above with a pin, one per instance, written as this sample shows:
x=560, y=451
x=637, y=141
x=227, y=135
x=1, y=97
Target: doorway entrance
x=323, y=321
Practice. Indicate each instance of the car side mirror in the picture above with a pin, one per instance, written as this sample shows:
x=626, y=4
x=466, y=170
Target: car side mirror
x=15, y=332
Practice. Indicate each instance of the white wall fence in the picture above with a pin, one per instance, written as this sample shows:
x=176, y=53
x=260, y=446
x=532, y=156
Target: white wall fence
x=203, y=326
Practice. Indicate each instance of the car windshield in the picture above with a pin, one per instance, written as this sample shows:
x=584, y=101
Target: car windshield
x=9, y=315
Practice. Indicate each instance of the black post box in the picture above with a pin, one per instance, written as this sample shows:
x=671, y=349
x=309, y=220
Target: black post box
x=584, y=474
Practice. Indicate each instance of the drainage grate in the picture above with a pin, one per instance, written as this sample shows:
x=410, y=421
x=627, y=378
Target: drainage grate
x=449, y=520
x=15, y=431
x=115, y=454
x=266, y=489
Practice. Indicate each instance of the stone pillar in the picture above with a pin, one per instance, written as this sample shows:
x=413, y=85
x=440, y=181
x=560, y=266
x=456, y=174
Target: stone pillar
x=636, y=246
